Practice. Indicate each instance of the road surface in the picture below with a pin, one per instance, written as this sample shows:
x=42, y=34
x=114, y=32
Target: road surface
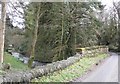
x=107, y=72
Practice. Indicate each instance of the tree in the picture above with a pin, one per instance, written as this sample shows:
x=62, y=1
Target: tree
x=37, y=8
x=117, y=7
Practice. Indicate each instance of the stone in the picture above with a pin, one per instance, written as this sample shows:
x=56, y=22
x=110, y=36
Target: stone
x=1, y=79
x=6, y=66
x=21, y=59
x=96, y=64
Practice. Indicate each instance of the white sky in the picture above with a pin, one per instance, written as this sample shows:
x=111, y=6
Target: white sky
x=108, y=3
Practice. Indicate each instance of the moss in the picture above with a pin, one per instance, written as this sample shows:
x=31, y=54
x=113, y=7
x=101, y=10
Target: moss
x=30, y=62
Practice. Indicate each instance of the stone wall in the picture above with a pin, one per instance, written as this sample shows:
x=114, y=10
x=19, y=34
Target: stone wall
x=92, y=51
x=26, y=76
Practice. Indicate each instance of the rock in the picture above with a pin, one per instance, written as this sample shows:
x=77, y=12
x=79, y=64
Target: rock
x=27, y=76
x=25, y=61
x=21, y=59
x=6, y=66
x=96, y=64
x=15, y=54
x=1, y=79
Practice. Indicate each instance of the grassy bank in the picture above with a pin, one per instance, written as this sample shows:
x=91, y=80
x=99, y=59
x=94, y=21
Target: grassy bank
x=71, y=72
x=14, y=62
x=16, y=65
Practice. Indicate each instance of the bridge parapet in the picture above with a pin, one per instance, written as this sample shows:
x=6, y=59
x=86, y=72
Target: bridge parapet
x=92, y=50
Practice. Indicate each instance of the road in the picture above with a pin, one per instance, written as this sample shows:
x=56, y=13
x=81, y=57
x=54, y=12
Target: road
x=107, y=72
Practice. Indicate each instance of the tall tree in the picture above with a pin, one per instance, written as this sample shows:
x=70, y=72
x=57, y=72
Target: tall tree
x=117, y=7
x=35, y=32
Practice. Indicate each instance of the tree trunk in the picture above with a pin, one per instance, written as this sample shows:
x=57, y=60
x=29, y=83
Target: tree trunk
x=32, y=55
x=2, y=30
x=62, y=35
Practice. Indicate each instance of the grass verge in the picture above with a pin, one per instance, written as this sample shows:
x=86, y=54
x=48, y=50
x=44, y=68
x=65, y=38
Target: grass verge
x=71, y=72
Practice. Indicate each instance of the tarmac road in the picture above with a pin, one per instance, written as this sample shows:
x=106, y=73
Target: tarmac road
x=107, y=72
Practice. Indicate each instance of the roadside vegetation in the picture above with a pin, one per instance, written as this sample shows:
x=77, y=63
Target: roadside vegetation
x=73, y=71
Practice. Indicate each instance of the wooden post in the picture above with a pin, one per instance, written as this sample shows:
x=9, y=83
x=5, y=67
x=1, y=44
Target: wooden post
x=2, y=30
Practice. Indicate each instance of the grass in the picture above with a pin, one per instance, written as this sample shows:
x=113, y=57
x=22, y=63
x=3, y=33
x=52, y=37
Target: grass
x=71, y=72
x=14, y=62
x=2, y=72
